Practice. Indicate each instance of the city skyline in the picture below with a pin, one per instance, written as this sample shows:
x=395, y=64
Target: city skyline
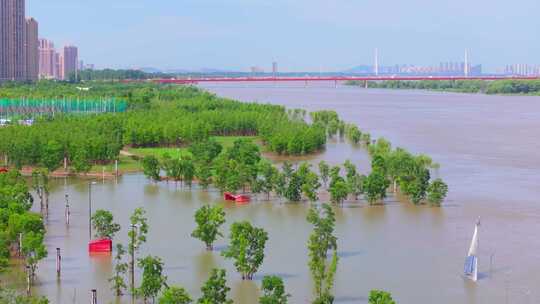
x=300, y=36
x=24, y=54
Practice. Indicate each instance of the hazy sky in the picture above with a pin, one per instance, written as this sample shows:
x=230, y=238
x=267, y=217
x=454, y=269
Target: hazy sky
x=299, y=34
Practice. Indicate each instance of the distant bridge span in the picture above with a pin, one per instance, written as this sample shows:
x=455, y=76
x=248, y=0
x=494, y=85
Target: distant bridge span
x=337, y=79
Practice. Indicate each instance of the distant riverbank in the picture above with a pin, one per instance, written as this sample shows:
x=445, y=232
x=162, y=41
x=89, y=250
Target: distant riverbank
x=499, y=87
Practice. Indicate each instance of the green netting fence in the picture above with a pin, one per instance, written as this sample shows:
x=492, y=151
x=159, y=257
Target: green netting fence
x=39, y=107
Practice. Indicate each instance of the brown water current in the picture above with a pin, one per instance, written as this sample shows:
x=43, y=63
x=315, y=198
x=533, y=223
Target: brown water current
x=487, y=147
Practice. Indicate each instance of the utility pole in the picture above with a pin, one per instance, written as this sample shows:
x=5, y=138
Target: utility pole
x=132, y=263
x=58, y=262
x=67, y=212
x=90, y=209
x=94, y=296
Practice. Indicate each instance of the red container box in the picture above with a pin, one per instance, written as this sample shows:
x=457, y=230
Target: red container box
x=103, y=245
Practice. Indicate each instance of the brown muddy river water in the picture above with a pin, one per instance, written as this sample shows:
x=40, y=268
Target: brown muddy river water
x=487, y=146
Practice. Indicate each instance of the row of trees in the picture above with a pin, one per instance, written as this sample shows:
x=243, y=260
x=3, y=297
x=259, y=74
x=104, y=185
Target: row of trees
x=407, y=173
x=464, y=86
x=241, y=167
x=22, y=232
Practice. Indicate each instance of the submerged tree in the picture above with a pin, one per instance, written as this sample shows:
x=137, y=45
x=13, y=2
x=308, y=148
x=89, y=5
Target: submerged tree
x=269, y=174
x=321, y=241
x=273, y=291
x=151, y=167
x=175, y=295
x=152, y=278
x=293, y=192
x=324, y=171
x=203, y=172
x=120, y=269
x=375, y=185
x=339, y=191
x=137, y=236
x=104, y=225
x=215, y=289
x=246, y=247
x=209, y=220
x=436, y=192
x=40, y=183
x=380, y=297
x=34, y=250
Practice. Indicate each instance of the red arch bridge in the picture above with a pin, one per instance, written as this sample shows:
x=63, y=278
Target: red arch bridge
x=336, y=79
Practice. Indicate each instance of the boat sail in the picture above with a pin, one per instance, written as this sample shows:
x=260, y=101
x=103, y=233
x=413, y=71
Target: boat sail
x=471, y=262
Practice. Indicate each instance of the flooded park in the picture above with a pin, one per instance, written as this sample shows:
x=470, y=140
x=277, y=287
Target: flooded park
x=487, y=148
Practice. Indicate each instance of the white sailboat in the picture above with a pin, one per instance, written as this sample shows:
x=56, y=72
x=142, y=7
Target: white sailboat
x=471, y=261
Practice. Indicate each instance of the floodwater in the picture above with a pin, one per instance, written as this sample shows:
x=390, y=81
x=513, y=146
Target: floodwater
x=487, y=147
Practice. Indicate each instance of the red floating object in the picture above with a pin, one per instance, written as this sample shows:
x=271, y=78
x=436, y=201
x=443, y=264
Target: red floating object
x=103, y=245
x=242, y=199
x=237, y=198
x=229, y=196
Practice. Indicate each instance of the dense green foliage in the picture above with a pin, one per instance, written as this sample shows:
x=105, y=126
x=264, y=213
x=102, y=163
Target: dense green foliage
x=137, y=236
x=215, y=289
x=246, y=248
x=409, y=174
x=153, y=279
x=273, y=291
x=380, y=297
x=531, y=87
x=18, y=224
x=9, y=296
x=159, y=115
x=104, y=225
x=436, y=192
x=209, y=220
x=321, y=241
x=120, y=269
x=109, y=74
x=175, y=295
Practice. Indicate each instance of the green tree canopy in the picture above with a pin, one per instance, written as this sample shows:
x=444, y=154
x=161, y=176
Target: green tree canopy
x=104, y=225
x=380, y=297
x=152, y=277
x=246, y=248
x=273, y=291
x=321, y=241
x=215, y=290
x=175, y=295
x=209, y=220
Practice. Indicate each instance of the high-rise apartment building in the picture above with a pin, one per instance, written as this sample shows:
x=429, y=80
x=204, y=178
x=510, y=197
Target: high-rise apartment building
x=12, y=40
x=70, y=61
x=32, y=49
x=47, y=59
x=59, y=66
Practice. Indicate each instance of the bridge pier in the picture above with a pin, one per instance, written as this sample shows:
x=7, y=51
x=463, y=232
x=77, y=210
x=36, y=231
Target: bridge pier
x=365, y=84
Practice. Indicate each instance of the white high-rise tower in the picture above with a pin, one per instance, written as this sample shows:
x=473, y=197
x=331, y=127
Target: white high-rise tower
x=376, y=67
x=466, y=66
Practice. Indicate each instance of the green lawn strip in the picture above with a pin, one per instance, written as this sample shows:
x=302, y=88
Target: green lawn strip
x=125, y=164
x=175, y=152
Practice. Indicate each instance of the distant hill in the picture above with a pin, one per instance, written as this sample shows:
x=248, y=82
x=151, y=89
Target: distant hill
x=184, y=71
x=361, y=69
